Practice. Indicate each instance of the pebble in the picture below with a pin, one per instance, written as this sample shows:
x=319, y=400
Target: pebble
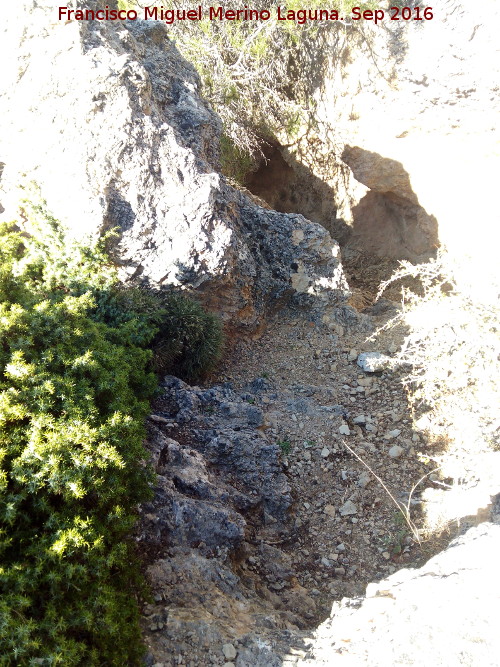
x=390, y=435
x=339, y=571
x=229, y=651
x=345, y=430
x=340, y=547
x=348, y=508
x=364, y=480
x=330, y=510
x=325, y=452
x=229, y=664
x=360, y=419
x=395, y=451
x=353, y=355
x=325, y=562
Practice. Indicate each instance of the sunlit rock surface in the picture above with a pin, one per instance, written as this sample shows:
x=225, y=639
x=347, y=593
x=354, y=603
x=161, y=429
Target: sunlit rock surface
x=107, y=119
x=443, y=613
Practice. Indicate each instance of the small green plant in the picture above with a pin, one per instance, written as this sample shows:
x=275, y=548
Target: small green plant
x=236, y=162
x=395, y=543
x=285, y=446
x=187, y=340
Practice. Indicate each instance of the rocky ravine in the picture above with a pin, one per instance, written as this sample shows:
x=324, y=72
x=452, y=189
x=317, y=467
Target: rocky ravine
x=262, y=517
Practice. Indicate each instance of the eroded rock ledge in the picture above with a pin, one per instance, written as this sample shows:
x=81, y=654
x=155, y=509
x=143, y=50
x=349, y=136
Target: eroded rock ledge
x=119, y=137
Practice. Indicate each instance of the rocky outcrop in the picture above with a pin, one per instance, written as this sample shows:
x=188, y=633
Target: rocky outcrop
x=388, y=221
x=116, y=135
x=440, y=614
x=222, y=541
x=210, y=533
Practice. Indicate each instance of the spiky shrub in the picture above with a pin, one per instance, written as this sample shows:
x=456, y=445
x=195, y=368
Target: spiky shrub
x=188, y=340
x=75, y=379
x=73, y=396
x=451, y=352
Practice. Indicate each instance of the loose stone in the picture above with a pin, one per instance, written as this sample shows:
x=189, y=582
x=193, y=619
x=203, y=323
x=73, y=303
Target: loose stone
x=396, y=451
x=229, y=651
x=348, y=508
x=373, y=362
x=330, y=510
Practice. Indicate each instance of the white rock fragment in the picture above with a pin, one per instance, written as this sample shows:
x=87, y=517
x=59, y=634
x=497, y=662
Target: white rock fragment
x=373, y=362
x=348, y=508
x=364, y=479
x=390, y=435
x=229, y=651
x=344, y=430
x=395, y=451
x=360, y=419
x=352, y=355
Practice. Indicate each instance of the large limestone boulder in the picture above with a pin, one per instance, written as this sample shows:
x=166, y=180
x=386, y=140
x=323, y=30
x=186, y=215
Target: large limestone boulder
x=107, y=119
x=443, y=613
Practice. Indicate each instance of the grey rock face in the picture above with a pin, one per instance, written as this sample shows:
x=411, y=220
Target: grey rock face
x=116, y=135
x=226, y=470
x=220, y=493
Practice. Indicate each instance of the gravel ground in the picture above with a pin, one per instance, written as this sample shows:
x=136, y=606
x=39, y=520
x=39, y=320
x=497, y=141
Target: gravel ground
x=317, y=401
